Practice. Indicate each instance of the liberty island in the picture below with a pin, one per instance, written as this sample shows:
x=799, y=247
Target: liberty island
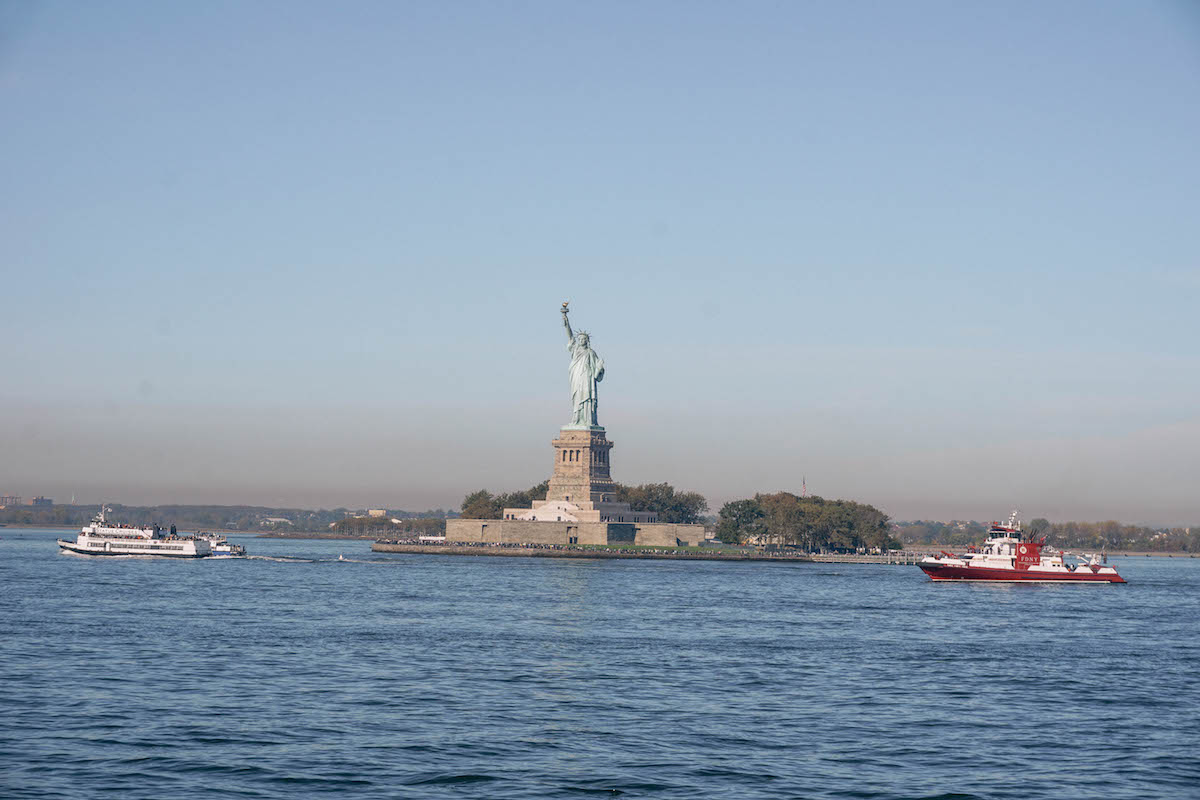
x=580, y=506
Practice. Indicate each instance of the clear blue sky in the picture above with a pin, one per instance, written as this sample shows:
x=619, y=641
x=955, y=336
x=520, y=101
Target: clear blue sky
x=942, y=257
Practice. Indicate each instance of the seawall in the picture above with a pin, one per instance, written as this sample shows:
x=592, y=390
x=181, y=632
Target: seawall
x=568, y=552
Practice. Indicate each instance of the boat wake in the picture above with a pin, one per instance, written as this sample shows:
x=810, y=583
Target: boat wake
x=339, y=560
x=281, y=559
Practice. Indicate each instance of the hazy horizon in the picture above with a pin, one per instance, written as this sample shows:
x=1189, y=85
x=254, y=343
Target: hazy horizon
x=938, y=258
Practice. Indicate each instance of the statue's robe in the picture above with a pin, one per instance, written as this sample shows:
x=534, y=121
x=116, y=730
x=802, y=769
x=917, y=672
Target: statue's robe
x=587, y=369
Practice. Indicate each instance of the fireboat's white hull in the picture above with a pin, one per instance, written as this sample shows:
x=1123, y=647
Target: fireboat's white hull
x=962, y=572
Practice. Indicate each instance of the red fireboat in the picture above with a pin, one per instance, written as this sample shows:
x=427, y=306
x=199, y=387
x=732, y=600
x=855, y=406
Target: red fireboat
x=1012, y=557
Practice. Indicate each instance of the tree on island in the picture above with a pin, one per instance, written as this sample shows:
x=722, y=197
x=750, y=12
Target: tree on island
x=485, y=505
x=671, y=506
x=741, y=521
x=812, y=523
x=480, y=505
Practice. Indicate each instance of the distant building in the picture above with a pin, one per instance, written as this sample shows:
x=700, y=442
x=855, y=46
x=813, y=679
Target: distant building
x=376, y=512
x=275, y=521
x=10, y=500
x=41, y=501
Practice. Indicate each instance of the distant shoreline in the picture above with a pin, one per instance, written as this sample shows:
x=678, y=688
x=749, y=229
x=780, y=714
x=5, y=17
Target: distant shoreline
x=1173, y=554
x=227, y=531
x=308, y=535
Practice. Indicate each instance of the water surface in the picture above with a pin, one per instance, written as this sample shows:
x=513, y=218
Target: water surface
x=295, y=675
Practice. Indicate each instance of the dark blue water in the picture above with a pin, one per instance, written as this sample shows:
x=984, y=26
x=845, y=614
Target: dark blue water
x=433, y=676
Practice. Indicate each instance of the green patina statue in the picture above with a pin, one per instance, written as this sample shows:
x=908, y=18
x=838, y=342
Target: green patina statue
x=586, y=370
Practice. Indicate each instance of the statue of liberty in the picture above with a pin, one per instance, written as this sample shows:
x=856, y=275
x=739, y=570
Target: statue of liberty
x=586, y=370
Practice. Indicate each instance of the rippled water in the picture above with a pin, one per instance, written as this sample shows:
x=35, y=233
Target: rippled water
x=430, y=676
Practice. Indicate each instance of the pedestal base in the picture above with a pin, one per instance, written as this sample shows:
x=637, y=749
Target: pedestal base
x=506, y=531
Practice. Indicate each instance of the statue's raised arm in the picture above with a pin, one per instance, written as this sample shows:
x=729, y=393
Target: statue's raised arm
x=567, y=322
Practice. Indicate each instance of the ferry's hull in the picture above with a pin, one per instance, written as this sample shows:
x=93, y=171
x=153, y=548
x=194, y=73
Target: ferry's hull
x=87, y=551
x=950, y=572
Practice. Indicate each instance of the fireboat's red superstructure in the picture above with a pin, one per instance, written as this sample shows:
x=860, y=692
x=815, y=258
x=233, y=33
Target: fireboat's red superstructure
x=1012, y=557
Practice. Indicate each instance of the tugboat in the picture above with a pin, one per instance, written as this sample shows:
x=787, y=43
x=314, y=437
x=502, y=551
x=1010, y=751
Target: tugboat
x=103, y=538
x=1011, y=556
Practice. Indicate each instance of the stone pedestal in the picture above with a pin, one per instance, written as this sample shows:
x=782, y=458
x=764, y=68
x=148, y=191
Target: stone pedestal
x=581, y=467
x=581, y=486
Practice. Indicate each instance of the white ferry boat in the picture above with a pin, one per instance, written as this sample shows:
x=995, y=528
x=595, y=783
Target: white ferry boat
x=1011, y=556
x=220, y=545
x=104, y=538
